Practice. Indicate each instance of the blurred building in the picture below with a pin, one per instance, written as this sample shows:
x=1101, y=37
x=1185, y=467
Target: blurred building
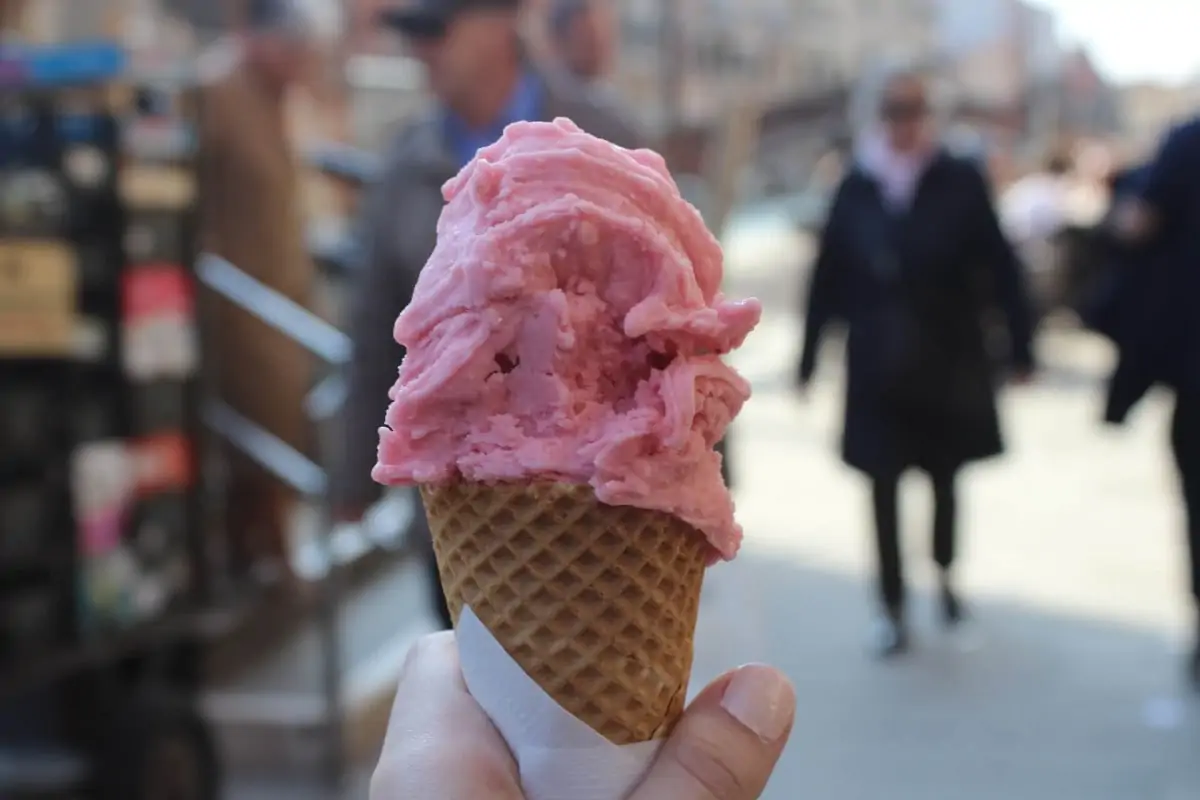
x=1091, y=105
x=980, y=46
x=1043, y=57
x=682, y=62
x=1150, y=108
x=1011, y=81
x=1003, y=63
x=693, y=58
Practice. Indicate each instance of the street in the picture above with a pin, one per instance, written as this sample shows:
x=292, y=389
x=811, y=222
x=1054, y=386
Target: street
x=1066, y=682
x=1065, y=685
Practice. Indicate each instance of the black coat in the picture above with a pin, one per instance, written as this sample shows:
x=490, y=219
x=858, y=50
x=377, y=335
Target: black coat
x=1150, y=303
x=914, y=289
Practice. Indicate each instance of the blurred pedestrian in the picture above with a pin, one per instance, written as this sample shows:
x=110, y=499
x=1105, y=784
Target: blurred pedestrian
x=482, y=80
x=1034, y=215
x=253, y=219
x=1153, y=314
x=1034, y=207
x=910, y=259
x=584, y=34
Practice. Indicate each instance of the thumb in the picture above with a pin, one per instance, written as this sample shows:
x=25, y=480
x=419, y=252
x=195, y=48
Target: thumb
x=728, y=741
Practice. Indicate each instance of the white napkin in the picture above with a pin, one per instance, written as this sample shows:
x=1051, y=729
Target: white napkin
x=560, y=757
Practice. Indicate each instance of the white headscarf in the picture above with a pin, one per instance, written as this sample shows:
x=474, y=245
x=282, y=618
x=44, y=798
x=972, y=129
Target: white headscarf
x=897, y=173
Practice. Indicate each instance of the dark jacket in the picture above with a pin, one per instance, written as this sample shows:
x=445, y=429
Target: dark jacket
x=400, y=231
x=1111, y=306
x=1150, y=307
x=914, y=288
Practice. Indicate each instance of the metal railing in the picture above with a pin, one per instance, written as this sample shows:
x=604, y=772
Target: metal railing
x=339, y=256
x=290, y=466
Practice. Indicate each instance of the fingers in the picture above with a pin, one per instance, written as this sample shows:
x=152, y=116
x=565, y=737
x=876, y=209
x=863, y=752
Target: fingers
x=439, y=742
x=728, y=741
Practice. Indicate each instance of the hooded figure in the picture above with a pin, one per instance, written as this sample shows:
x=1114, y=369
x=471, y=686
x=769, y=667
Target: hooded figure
x=911, y=260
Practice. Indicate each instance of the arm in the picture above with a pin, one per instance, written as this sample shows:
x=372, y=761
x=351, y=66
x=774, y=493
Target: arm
x=822, y=303
x=381, y=292
x=1008, y=274
x=1163, y=189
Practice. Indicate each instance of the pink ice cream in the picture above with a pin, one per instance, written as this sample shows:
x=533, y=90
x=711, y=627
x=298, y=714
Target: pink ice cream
x=569, y=326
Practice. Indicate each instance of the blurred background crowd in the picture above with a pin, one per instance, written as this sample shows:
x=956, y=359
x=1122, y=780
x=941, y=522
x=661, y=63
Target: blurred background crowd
x=854, y=157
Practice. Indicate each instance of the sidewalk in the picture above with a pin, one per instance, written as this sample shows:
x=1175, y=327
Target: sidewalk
x=1065, y=687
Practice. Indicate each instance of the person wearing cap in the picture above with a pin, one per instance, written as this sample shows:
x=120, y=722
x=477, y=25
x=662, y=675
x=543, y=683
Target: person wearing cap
x=583, y=36
x=481, y=80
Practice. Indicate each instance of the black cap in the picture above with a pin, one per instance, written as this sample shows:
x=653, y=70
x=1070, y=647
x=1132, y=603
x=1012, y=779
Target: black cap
x=431, y=17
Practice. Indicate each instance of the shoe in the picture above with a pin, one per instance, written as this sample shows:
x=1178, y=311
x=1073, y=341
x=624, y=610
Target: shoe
x=951, y=606
x=889, y=637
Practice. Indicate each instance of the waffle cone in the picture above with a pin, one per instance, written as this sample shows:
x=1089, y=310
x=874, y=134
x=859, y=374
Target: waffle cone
x=597, y=603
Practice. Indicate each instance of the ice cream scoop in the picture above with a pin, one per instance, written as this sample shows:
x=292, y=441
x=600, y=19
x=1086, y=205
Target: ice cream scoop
x=569, y=326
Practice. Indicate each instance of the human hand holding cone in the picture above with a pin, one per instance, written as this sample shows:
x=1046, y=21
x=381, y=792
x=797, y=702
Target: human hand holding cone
x=558, y=407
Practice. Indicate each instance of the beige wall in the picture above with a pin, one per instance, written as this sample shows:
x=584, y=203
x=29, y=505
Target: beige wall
x=1151, y=108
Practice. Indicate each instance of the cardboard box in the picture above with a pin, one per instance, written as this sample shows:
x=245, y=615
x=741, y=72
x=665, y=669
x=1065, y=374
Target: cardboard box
x=38, y=298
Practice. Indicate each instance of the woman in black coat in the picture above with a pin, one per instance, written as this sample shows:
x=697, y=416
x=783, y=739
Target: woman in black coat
x=1151, y=315
x=911, y=260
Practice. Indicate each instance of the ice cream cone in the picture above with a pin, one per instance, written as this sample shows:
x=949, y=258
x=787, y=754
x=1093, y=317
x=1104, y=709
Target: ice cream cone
x=597, y=603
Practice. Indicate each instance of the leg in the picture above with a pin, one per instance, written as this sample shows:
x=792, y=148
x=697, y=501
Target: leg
x=945, y=518
x=891, y=635
x=1185, y=446
x=884, y=492
x=945, y=534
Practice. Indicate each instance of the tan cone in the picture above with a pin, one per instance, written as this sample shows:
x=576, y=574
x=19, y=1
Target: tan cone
x=597, y=603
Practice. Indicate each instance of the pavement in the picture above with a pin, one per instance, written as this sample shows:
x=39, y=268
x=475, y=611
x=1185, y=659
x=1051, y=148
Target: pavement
x=1066, y=683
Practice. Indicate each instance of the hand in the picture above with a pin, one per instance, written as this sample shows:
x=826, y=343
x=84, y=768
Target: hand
x=441, y=745
x=1133, y=220
x=1021, y=377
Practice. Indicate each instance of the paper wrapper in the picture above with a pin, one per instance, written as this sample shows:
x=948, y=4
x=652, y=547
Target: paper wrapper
x=575, y=625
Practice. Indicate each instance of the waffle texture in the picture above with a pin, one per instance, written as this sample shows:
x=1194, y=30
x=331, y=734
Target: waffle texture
x=597, y=603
